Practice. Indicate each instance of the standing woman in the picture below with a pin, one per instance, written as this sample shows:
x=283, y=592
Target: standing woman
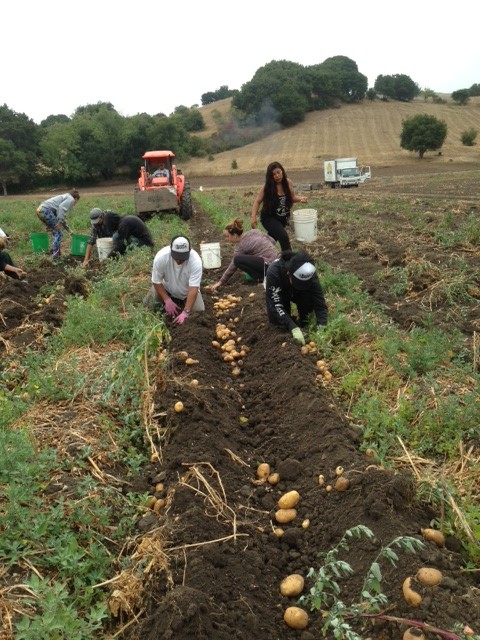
x=276, y=197
x=53, y=212
x=254, y=251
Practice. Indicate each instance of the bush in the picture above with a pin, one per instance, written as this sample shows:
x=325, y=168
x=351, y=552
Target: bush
x=468, y=137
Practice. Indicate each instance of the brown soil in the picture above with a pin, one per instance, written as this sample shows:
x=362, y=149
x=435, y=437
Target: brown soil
x=223, y=563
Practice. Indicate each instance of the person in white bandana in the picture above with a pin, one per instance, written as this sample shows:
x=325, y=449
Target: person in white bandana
x=293, y=278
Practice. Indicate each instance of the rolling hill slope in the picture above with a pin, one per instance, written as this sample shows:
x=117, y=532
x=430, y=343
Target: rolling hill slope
x=370, y=131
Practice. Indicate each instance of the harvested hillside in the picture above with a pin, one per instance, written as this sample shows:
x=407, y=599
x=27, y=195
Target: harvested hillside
x=369, y=131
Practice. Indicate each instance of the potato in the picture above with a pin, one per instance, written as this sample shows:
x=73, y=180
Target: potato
x=278, y=531
x=159, y=504
x=273, y=478
x=191, y=361
x=181, y=355
x=289, y=500
x=296, y=618
x=285, y=515
x=412, y=633
x=263, y=471
x=342, y=483
x=179, y=407
x=305, y=523
x=434, y=535
x=292, y=585
x=411, y=597
x=429, y=576
x=339, y=471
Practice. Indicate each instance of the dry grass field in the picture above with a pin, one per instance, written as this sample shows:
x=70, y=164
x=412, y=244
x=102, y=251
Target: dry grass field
x=369, y=131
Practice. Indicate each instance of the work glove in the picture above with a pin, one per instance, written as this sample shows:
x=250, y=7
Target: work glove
x=171, y=308
x=298, y=335
x=180, y=319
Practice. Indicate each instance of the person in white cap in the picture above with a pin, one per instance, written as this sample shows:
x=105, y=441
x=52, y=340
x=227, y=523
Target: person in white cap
x=176, y=276
x=293, y=278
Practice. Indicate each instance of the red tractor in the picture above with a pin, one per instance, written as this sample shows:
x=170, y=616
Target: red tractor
x=162, y=187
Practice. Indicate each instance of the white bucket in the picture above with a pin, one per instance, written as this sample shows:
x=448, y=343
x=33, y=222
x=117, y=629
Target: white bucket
x=104, y=248
x=211, y=258
x=305, y=225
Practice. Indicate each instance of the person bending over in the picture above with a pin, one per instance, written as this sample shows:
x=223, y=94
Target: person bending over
x=254, y=251
x=293, y=279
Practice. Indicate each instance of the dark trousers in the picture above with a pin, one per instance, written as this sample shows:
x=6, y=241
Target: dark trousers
x=254, y=266
x=276, y=229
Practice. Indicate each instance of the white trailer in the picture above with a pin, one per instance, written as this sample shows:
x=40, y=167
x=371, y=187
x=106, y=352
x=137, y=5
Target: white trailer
x=345, y=172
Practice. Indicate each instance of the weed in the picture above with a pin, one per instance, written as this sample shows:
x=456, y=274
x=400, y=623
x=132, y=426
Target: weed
x=325, y=593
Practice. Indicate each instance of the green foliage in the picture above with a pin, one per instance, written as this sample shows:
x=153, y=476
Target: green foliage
x=397, y=87
x=234, y=164
x=220, y=94
x=58, y=617
x=461, y=96
x=420, y=351
x=468, y=137
x=325, y=594
x=423, y=133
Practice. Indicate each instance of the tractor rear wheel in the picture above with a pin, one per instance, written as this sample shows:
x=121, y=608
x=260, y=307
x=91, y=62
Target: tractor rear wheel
x=186, y=207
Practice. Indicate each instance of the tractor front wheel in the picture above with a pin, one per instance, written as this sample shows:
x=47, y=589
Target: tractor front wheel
x=186, y=207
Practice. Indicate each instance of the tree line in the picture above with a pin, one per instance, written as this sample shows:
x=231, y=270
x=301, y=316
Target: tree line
x=97, y=143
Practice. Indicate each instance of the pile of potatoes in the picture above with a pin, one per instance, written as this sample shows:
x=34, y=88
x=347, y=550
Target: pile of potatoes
x=224, y=305
x=324, y=374
x=229, y=343
x=341, y=482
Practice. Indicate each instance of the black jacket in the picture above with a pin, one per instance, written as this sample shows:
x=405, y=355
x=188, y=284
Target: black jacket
x=280, y=294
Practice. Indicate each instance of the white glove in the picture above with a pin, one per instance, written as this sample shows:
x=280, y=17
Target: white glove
x=298, y=335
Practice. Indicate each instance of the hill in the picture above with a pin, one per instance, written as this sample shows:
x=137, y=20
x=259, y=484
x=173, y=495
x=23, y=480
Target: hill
x=370, y=131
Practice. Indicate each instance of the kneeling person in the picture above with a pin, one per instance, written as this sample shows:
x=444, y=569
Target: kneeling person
x=293, y=278
x=176, y=277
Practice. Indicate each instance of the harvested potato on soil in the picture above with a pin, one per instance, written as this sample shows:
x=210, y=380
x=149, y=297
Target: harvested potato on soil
x=434, y=536
x=285, y=515
x=263, y=471
x=292, y=585
x=289, y=500
x=159, y=504
x=273, y=478
x=411, y=597
x=178, y=407
x=296, y=618
x=429, y=576
x=191, y=361
x=342, y=483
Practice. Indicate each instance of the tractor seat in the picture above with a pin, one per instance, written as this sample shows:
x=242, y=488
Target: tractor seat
x=159, y=181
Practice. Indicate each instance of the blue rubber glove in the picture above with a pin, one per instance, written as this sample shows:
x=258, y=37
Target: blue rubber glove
x=298, y=335
x=180, y=319
x=171, y=308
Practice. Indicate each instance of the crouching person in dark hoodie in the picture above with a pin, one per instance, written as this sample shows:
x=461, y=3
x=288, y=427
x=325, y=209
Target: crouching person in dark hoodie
x=293, y=279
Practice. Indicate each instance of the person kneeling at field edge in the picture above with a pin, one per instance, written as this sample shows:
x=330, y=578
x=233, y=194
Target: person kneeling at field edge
x=7, y=265
x=176, y=276
x=293, y=278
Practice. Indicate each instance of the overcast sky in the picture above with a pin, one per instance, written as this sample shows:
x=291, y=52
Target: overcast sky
x=57, y=55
